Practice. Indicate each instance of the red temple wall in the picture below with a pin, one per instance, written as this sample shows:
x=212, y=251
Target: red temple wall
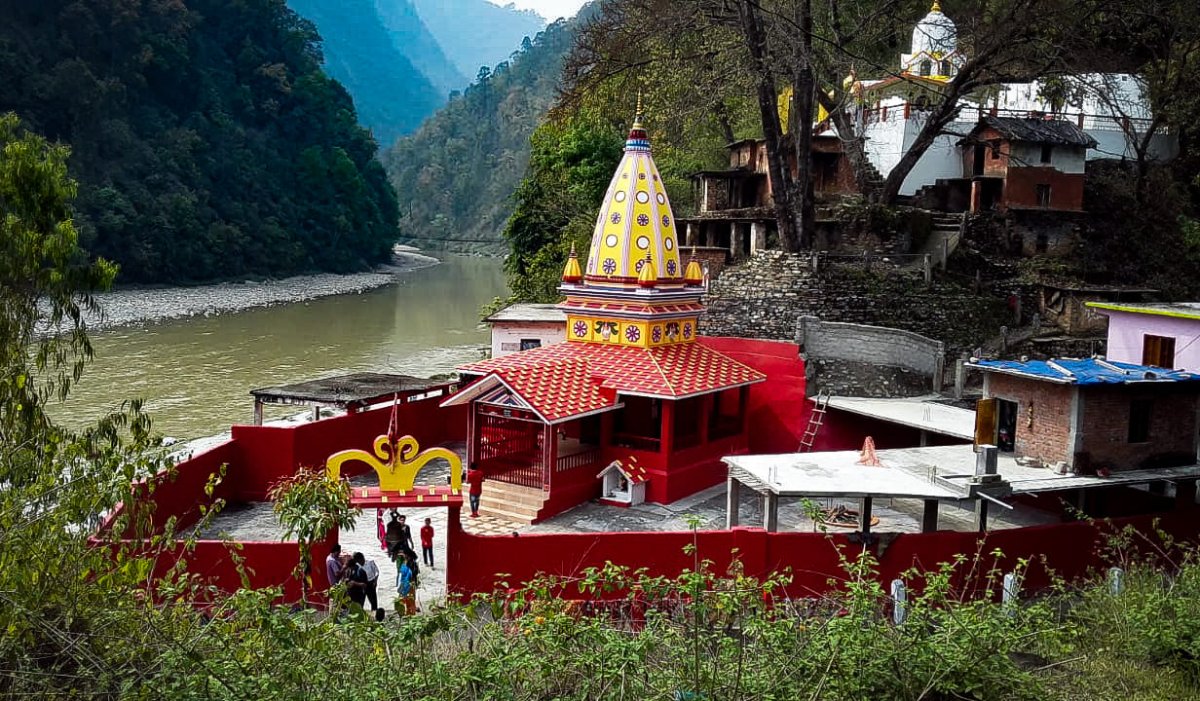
x=1073, y=549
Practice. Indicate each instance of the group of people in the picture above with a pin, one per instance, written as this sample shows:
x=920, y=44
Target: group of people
x=361, y=576
x=398, y=540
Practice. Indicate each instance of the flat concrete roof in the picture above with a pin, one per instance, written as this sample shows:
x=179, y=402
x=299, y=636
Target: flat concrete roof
x=1180, y=310
x=836, y=474
x=548, y=313
x=355, y=389
x=910, y=472
x=918, y=412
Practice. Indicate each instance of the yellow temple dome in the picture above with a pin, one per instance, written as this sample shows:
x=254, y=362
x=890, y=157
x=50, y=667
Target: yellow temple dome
x=572, y=272
x=635, y=223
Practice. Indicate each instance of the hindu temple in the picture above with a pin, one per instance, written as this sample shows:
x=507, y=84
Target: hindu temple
x=634, y=391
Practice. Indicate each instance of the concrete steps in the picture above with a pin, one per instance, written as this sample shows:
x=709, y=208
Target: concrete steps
x=511, y=501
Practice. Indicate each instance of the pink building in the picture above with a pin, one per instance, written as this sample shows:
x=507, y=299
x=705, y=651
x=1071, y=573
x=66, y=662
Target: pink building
x=1165, y=335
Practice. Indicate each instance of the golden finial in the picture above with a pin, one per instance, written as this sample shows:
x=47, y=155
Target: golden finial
x=639, y=102
x=694, y=274
x=937, y=6
x=647, y=277
x=637, y=115
x=571, y=272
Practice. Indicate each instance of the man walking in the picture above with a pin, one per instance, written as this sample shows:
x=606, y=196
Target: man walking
x=396, y=534
x=427, y=542
x=475, y=488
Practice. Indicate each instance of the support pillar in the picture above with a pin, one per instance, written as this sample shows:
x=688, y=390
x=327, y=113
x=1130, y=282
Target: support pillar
x=733, y=493
x=1185, y=494
x=710, y=236
x=929, y=519
x=735, y=241
x=258, y=413
x=981, y=515
x=316, y=413
x=866, y=517
x=758, y=237
x=924, y=438
x=693, y=237
x=770, y=512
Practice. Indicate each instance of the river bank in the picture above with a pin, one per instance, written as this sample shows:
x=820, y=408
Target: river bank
x=125, y=307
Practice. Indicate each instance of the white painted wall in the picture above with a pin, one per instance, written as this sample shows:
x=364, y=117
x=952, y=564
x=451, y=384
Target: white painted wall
x=885, y=140
x=1062, y=158
x=942, y=159
x=507, y=335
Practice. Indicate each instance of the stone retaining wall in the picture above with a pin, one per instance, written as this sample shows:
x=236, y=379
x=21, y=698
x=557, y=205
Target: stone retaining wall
x=871, y=345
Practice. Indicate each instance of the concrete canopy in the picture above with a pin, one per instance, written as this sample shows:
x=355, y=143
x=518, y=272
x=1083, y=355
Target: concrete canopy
x=832, y=474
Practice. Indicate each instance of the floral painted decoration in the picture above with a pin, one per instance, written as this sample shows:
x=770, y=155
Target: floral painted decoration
x=640, y=264
x=615, y=218
x=656, y=334
x=610, y=266
x=687, y=330
x=580, y=329
x=666, y=220
x=643, y=220
x=671, y=267
x=632, y=333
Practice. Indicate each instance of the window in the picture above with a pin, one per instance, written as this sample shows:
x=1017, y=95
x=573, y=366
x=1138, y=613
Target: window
x=1158, y=351
x=1043, y=195
x=1139, y=420
x=530, y=343
x=947, y=69
x=995, y=150
x=1047, y=152
x=1006, y=425
x=926, y=67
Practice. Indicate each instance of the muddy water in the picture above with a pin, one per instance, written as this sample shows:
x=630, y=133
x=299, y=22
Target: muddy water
x=195, y=374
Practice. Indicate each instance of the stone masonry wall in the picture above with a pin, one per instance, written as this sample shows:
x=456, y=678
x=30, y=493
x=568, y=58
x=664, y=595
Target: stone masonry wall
x=765, y=296
x=875, y=345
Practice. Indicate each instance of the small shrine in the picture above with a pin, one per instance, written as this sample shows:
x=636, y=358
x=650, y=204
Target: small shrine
x=623, y=484
x=632, y=381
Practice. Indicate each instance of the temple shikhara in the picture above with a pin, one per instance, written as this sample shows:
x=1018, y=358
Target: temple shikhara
x=633, y=382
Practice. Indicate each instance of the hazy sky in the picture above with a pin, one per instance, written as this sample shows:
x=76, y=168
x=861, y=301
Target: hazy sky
x=550, y=9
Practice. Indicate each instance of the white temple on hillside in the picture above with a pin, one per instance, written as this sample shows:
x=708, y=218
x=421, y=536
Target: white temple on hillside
x=1109, y=108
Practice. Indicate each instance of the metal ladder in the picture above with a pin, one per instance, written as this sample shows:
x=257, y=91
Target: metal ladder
x=821, y=404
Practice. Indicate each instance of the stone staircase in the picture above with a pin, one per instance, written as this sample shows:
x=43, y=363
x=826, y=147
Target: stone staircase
x=511, y=502
x=946, y=228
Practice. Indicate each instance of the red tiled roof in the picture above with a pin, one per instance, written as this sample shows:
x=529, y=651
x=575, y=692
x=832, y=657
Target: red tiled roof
x=634, y=472
x=669, y=372
x=557, y=389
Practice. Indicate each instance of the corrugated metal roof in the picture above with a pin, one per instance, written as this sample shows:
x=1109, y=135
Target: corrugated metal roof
x=1088, y=371
x=1039, y=131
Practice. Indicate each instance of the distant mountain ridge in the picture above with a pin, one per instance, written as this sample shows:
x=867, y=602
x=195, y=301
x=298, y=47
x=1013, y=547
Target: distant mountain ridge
x=455, y=176
x=392, y=95
x=401, y=59
x=476, y=33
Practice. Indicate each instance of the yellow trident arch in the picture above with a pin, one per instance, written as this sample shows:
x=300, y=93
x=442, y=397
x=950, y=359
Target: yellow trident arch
x=397, y=462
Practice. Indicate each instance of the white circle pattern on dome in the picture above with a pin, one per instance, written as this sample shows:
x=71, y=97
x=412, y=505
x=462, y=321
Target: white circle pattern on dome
x=610, y=240
x=642, y=196
x=620, y=196
x=662, y=199
x=644, y=243
x=669, y=243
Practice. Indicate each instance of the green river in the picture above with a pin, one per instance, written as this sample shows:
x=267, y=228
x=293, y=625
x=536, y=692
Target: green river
x=195, y=374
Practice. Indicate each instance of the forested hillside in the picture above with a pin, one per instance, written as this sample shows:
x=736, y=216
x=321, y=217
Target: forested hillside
x=206, y=140
x=457, y=173
x=476, y=33
x=375, y=61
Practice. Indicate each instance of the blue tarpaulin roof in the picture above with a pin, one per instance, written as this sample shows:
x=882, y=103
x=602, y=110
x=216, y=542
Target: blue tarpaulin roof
x=1088, y=371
